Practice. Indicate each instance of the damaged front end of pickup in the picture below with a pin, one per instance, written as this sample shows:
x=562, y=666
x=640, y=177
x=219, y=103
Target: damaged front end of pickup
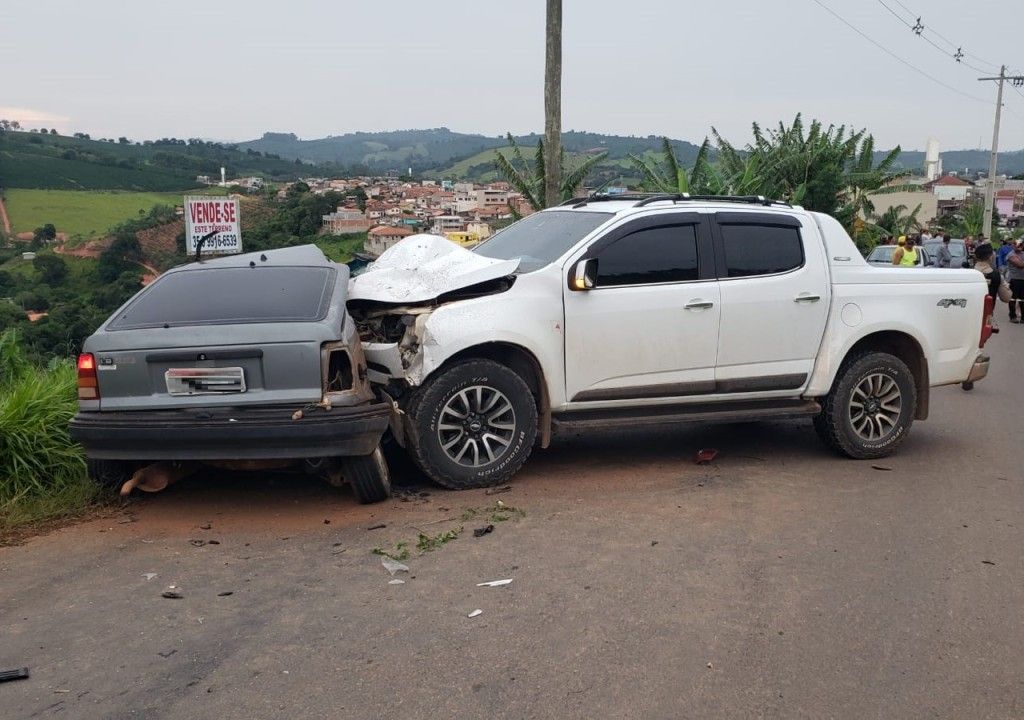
x=393, y=301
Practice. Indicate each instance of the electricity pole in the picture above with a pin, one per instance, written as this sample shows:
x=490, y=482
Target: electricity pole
x=990, y=186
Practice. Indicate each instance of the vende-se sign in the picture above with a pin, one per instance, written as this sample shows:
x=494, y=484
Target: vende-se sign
x=204, y=215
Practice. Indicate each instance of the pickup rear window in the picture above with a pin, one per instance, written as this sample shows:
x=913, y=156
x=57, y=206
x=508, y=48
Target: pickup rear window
x=218, y=296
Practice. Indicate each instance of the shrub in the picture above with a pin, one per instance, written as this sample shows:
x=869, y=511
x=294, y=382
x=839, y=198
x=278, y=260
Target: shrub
x=42, y=472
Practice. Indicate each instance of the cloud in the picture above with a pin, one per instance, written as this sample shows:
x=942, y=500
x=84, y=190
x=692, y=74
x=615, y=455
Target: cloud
x=30, y=118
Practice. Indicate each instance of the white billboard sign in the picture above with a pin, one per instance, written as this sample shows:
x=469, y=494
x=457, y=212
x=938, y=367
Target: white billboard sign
x=207, y=214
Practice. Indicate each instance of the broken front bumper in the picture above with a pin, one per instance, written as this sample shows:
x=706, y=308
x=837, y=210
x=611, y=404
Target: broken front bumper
x=231, y=433
x=979, y=370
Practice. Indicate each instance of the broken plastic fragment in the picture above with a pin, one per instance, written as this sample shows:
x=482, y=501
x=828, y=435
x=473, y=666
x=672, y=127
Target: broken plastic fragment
x=495, y=583
x=396, y=581
x=706, y=456
x=393, y=566
x=149, y=576
x=476, y=612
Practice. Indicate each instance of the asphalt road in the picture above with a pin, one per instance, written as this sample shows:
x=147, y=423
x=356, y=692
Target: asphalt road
x=779, y=582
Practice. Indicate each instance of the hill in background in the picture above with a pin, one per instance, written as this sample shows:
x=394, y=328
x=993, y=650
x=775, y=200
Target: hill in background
x=56, y=162
x=440, y=152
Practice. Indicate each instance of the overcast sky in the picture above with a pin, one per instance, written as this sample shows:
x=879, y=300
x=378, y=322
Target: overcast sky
x=231, y=69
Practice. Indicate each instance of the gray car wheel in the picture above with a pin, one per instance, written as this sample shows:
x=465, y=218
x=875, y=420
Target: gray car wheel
x=369, y=477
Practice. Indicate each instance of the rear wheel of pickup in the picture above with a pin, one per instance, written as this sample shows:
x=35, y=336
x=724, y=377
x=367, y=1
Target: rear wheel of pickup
x=109, y=473
x=473, y=425
x=369, y=477
x=871, y=407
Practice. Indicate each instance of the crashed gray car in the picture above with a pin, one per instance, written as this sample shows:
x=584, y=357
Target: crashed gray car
x=248, y=361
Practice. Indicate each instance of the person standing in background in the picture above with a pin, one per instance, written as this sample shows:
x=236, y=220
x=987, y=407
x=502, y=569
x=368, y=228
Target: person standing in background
x=1004, y=252
x=1015, y=275
x=905, y=255
x=943, y=257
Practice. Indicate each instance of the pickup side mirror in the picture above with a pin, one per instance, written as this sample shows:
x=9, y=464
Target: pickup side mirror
x=583, y=275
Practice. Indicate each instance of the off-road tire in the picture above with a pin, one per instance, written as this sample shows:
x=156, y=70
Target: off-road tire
x=110, y=474
x=834, y=423
x=424, y=412
x=369, y=477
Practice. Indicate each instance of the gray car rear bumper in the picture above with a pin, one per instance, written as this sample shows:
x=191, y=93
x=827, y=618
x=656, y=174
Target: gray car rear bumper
x=231, y=433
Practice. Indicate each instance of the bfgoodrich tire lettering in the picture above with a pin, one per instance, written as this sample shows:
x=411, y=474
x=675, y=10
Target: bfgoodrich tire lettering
x=884, y=386
x=477, y=389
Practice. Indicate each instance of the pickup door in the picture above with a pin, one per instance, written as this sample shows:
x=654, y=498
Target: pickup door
x=775, y=298
x=649, y=327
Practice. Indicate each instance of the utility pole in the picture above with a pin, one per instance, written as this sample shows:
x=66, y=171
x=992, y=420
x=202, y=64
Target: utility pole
x=990, y=186
x=553, y=105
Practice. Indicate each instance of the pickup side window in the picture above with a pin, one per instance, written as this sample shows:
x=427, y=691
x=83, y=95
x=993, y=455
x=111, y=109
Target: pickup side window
x=754, y=249
x=660, y=254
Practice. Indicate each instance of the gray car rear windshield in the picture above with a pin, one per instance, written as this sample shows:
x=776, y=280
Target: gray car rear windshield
x=541, y=238
x=218, y=296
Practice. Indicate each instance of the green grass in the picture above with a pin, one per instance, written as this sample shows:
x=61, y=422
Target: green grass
x=83, y=213
x=42, y=472
x=340, y=248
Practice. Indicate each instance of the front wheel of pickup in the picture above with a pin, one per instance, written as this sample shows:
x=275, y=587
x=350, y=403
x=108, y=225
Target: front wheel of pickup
x=369, y=477
x=473, y=425
x=871, y=407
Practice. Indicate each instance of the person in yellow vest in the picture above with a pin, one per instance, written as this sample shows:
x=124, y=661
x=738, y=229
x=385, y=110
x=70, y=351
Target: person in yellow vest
x=906, y=254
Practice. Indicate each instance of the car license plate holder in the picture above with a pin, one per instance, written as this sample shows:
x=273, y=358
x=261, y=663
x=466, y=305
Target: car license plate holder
x=205, y=381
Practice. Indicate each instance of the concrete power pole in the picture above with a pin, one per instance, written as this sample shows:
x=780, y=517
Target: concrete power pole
x=990, y=186
x=553, y=105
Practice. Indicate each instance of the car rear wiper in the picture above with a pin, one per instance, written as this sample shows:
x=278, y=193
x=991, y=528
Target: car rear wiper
x=201, y=241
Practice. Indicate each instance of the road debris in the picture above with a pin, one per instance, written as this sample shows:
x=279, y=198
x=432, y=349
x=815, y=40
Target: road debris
x=206, y=526
x=476, y=612
x=711, y=666
x=378, y=526
x=987, y=562
x=498, y=490
x=225, y=593
x=393, y=566
x=171, y=595
x=396, y=581
x=881, y=468
x=18, y=674
x=485, y=530
x=149, y=576
x=706, y=456
x=495, y=583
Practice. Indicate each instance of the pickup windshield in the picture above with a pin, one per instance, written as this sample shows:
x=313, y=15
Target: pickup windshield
x=541, y=238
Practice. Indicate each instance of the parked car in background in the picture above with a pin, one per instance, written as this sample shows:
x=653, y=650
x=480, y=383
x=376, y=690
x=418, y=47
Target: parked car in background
x=957, y=249
x=241, y=361
x=627, y=310
x=881, y=256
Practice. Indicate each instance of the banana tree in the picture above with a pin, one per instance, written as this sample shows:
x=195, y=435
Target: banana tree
x=528, y=180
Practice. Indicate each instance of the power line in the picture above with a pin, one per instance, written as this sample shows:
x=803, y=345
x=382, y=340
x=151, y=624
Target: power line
x=918, y=29
x=889, y=52
x=954, y=46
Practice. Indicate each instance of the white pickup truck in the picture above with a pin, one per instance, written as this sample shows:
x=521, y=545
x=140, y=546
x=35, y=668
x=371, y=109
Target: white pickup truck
x=656, y=309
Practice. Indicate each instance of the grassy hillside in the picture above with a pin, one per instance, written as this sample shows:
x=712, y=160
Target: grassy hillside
x=84, y=214
x=43, y=161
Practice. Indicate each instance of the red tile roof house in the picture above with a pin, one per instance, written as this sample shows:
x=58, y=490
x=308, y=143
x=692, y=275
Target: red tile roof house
x=381, y=238
x=949, y=187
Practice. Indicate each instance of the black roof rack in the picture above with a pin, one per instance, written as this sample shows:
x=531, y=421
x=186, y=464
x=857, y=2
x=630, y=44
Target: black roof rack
x=578, y=202
x=643, y=199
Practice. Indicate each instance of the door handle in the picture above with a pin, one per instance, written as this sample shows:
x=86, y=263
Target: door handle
x=699, y=305
x=807, y=298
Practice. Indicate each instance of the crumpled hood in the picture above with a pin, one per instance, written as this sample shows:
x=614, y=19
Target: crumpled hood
x=421, y=267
